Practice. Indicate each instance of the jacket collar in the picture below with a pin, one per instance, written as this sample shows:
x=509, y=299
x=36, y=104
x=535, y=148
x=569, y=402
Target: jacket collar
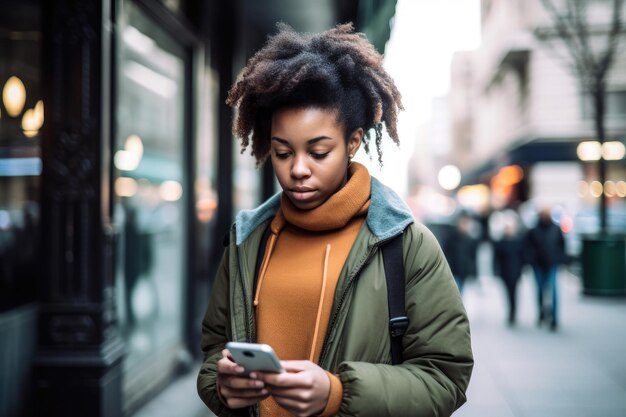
x=387, y=216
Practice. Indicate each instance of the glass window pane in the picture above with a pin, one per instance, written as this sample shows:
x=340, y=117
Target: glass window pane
x=21, y=117
x=205, y=192
x=149, y=185
x=246, y=182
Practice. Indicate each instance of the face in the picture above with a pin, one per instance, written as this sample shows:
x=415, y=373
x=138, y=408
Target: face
x=310, y=155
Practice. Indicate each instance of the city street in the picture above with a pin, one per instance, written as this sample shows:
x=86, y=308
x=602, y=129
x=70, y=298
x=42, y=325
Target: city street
x=527, y=371
x=523, y=371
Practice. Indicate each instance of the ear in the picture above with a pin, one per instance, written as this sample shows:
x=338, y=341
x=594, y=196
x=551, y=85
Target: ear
x=354, y=141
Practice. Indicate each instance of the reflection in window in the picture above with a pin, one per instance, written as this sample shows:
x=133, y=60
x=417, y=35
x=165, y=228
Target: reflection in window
x=150, y=211
x=246, y=182
x=21, y=118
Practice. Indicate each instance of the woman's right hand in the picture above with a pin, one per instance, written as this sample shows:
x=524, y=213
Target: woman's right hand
x=237, y=389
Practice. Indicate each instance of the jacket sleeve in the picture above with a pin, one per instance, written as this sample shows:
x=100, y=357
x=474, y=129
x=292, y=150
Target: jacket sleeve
x=437, y=354
x=215, y=334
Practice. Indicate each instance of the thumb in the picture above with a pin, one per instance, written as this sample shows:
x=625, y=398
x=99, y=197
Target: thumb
x=298, y=366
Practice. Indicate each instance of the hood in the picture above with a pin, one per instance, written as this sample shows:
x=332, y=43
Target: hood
x=388, y=214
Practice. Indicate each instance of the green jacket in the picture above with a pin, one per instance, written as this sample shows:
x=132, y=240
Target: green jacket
x=436, y=347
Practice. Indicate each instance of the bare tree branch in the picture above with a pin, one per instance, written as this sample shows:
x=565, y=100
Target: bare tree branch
x=566, y=32
x=566, y=59
x=578, y=62
x=613, y=39
x=581, y=24
x=573, y=29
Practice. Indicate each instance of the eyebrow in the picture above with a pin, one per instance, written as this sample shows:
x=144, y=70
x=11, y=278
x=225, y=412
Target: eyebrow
x=309, y=142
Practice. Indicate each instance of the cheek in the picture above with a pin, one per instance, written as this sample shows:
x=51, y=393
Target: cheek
x=280, y=171
x=335, y=175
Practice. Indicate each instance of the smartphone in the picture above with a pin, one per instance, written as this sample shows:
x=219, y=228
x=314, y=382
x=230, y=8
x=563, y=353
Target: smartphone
x=254, y=356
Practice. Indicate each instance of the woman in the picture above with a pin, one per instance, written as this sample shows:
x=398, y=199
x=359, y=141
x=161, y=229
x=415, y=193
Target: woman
x=318, y=296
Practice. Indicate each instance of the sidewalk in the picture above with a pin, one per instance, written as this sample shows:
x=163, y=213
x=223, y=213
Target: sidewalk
x=524, y=371
x=527, y=371
x=180, y=399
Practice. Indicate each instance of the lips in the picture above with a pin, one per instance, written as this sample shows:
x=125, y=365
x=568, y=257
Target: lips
x=301, y=189
x=302, y=193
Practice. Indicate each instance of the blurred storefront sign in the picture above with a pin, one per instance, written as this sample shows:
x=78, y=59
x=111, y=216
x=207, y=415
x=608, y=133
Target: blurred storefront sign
x=522, y=155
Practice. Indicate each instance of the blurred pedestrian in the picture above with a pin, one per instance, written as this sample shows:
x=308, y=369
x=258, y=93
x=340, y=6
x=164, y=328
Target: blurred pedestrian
x=546, y=251
x=460, y=250
x=509, y=252
x=307, y=102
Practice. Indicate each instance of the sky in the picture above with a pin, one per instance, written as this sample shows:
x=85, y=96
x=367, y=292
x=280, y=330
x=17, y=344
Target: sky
x=424, y=36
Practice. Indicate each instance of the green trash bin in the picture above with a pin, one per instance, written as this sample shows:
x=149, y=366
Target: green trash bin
x=603, y=262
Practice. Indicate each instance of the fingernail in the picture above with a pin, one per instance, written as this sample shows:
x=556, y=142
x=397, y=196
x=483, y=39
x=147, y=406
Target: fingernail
x=258, y=384
x=253, y=375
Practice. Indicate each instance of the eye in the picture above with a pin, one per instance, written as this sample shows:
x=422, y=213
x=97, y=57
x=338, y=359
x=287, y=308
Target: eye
x=282, y=155
x=316, y=155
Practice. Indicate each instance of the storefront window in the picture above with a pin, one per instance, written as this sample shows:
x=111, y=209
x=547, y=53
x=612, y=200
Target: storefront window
x=205, y=186
x=21, y=118
x=246, y=181
x=149, y=186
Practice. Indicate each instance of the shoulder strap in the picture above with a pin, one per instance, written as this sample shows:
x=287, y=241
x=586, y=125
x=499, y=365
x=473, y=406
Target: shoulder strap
x=394, y=274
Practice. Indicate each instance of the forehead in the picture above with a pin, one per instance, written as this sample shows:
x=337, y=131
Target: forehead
x=305, y=119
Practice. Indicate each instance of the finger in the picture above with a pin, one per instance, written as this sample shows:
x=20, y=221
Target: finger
x=226, y=354
x=227, y=366
x=295, y=407
x=235, y=402
x=297, y=366
x=238, y=382
x=288, y=380
x=293, y=394
x=228, y=392
x=234, y=387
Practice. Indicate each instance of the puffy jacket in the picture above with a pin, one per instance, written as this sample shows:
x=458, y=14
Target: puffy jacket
x=436, y=347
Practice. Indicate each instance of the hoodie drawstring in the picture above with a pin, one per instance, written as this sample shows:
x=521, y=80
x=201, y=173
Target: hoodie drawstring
x=264, y=265
x=321, y=304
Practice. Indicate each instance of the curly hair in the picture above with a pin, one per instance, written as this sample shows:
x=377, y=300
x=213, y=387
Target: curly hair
x=337, y=69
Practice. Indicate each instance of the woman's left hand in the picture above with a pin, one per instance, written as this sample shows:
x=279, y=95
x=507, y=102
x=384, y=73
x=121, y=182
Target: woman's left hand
x=303, y=388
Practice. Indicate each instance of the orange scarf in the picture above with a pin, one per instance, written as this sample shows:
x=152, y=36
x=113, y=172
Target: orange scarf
x=304, y=257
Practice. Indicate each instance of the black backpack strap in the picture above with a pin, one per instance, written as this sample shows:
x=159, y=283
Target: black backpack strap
x=261, y=253
x=394, y=274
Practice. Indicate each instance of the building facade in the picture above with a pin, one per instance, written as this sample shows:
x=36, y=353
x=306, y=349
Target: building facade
x=118, y=179
x=515, y=104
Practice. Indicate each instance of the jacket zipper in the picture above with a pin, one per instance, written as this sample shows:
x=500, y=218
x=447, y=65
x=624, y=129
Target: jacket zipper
x=351, y=279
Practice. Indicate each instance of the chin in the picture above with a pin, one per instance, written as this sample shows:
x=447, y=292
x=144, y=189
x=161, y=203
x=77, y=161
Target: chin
x=305, y=205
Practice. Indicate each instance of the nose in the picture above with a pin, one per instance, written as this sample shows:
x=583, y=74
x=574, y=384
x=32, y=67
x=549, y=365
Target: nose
x=300, y=167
